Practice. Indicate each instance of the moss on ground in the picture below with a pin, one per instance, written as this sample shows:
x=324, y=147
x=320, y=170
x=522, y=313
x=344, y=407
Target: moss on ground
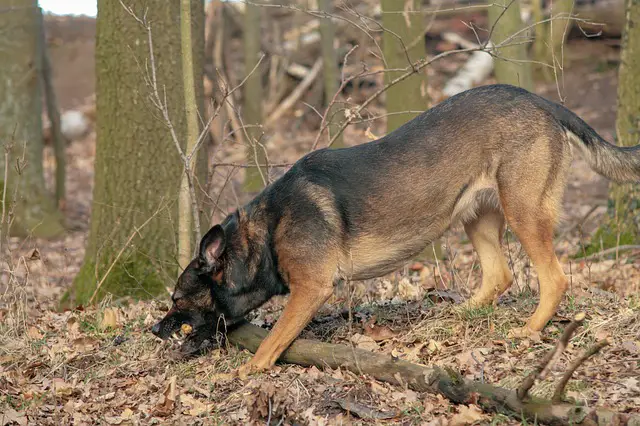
x=136, y=276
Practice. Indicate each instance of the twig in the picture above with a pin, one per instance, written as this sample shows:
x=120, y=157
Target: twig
x=552, y=357
x=578, y=223
x=246, y=166
x=609, y=251
x=136, y=230
x=557, y=395
x=324, y=124
x=296, y=94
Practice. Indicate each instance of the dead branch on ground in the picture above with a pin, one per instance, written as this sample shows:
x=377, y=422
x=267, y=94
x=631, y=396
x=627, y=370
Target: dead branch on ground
x=433, y=379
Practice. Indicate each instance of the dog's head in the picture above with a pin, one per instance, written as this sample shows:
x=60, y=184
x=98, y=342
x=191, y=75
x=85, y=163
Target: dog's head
x=208, y=295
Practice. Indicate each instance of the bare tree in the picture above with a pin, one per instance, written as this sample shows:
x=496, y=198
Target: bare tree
x=132, y=243
x=27, y=205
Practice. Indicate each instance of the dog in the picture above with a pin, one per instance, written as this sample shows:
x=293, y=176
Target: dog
x=490, y=156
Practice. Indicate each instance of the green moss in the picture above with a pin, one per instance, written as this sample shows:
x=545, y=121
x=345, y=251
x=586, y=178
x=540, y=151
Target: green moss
x=135, y=276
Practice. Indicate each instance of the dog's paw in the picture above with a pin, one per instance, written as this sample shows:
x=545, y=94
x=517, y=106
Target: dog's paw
x=248, y=369
x=524, y=333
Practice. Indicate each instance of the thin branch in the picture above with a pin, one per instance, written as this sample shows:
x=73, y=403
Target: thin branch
x=552, y=357
x=557, y=395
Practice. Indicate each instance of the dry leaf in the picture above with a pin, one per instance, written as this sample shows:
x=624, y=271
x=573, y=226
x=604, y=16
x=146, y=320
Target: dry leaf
x=377, y=332
x=165, y=408
x=196, y=407
x=83, y=344
x=62, y=388
x=363, y=411
x=127, y=414
x=631, y=346
x=364, y=342
x=34, y=333
x=10, y=415
x=467, y=415
x=433, y=347
x=109, y=319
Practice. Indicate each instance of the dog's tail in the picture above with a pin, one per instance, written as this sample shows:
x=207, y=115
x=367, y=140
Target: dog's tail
x=619, y=164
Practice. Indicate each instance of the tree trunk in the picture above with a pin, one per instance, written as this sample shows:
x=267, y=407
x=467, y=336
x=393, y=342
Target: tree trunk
x=549, y=45
x=137, y=167
x=408, y=98
x=626, y=198
x=512, y=66
x=409, y=95
x=187, y=223
x=252, y=109
x=330, y=58
x=27, y=203
x=58, y=139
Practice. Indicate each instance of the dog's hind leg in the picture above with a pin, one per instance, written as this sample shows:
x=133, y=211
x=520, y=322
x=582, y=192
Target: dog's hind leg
x=485, y=233
x=533, y=223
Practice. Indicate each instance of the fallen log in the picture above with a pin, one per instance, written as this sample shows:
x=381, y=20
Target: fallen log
x=433, y=379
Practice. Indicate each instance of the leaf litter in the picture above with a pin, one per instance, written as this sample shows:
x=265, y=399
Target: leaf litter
x=102, y=366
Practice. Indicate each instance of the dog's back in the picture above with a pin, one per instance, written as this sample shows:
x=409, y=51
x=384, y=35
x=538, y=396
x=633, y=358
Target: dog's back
x=396, y=194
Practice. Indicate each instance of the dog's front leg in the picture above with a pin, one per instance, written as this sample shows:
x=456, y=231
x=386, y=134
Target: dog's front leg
x=304, y=302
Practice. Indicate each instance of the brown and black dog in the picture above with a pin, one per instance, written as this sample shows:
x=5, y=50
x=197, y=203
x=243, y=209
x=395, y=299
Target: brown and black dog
x=486, y=157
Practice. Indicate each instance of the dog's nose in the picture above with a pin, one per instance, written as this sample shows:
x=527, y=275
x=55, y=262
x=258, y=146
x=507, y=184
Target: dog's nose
x=156, y=329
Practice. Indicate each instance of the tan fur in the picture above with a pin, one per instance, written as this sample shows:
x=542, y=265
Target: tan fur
x=324, y=201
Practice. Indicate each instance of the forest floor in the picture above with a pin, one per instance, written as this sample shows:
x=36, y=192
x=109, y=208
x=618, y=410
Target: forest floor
x=102, y=365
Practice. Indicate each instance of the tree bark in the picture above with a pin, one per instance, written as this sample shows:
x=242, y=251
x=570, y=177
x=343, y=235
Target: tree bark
x=137, y=167
x=27, y=205
x=188, y=204
x=252, y=108
x=421, y=378
x=512, y=66
x=330, y=65
x=411, y=94
x=549, y=45
x=625, y=221
x=408, y=98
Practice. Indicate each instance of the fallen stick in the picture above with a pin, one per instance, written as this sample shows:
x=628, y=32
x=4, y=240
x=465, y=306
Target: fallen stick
x=433, y=379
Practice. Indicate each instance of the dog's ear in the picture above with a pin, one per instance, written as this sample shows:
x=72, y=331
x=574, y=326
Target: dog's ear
x=211, y=247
